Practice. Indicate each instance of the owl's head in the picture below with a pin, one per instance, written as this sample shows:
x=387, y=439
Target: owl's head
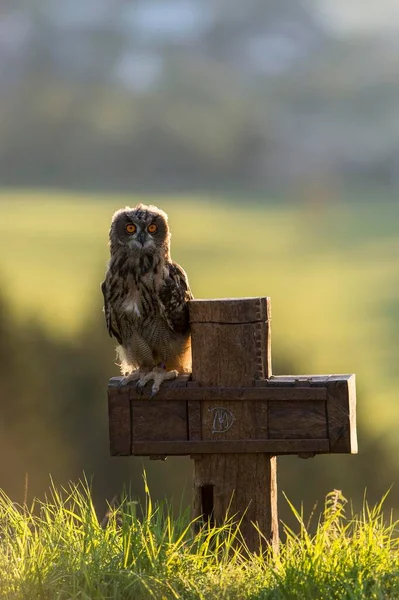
x=142, y=229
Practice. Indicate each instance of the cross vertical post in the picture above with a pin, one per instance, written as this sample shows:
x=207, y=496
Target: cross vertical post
x=231, y=345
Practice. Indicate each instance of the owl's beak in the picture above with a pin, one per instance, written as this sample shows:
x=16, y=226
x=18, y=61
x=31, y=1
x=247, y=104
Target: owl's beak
x=141, y=238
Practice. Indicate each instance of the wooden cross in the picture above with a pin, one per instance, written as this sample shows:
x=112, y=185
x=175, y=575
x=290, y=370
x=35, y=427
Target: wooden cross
x=233, y=417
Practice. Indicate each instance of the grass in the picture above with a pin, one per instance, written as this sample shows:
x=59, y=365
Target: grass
x=332, y=274
x=59, y=549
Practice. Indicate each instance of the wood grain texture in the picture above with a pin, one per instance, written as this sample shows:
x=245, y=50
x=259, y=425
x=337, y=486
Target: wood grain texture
x=182, y=448
x=295, y=381
x=297, y=420
x=264, y=350
x=288, y=408
x=215, y=345
x=262, y=420
x=341, y=413
x=231, y=336
x=194, y=420
x=242, y=485
x=215, y=393
x=163, y=421
x=119, y=419
x=231, y=348
x=229, y=310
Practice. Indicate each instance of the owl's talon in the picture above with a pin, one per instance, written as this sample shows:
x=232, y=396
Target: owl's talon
x=140, y=388
x=158, y=375
x=133, y=376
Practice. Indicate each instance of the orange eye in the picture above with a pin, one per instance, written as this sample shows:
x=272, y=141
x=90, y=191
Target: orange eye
x=130, y=228
x=152, y=228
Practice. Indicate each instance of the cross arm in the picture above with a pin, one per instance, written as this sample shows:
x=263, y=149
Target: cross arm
x=302, y=415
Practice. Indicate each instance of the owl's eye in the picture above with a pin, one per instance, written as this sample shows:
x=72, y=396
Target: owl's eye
x=130, y=228
x=152, y=228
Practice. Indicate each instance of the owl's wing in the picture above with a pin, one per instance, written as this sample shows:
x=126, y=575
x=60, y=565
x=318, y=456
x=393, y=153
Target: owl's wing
x=174, y=295
x=110, y=320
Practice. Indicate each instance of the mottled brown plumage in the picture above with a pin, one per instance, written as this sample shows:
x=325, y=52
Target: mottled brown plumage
x=145, y=298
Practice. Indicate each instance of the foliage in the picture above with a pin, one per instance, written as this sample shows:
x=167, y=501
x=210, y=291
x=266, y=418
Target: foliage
x=60, y=549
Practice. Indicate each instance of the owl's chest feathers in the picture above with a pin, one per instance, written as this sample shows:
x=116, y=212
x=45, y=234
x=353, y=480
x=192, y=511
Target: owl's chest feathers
x=138, y=282
x=132, y=305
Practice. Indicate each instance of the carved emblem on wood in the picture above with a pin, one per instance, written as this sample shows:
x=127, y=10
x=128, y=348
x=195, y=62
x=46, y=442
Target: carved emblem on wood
x=223, y=419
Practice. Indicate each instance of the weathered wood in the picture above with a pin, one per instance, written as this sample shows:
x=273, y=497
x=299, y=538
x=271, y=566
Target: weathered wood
x=231, y=347
x=230, y=310
x=294, y=381
x=194, y=420
x=237, y=482
x=285, y=419
x=262, y=392
x=341, y=413
x=167, y=420
x=320, y=408
x=230, y=335
x=120, y=428
x=181, y=448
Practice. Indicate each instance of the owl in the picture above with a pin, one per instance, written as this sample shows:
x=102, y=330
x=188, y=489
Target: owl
x=146, y=298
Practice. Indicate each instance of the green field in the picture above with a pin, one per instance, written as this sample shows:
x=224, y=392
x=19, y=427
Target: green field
x=332, y=275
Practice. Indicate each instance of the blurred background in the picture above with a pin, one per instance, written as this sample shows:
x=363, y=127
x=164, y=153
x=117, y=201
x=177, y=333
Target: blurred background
x=269, y=132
